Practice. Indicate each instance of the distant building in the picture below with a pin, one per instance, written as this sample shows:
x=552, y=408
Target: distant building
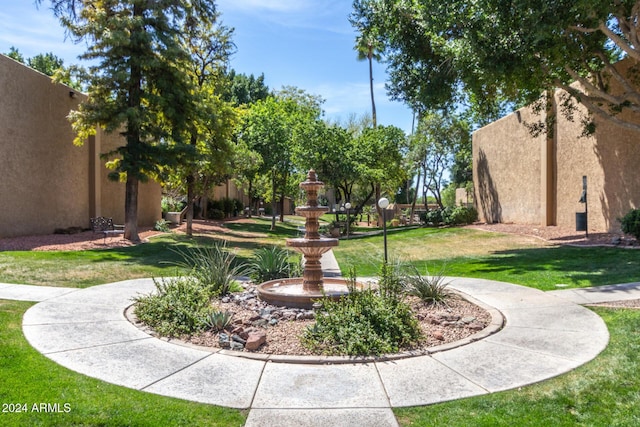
x=47, y=182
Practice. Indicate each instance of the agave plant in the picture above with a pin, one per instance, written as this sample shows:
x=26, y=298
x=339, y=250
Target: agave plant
x=219, y=320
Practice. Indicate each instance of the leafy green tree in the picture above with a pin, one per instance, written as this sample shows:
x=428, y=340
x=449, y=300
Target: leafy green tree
x=46, y=63
x=488, y=52
x=379, y=160
x=15, y=54
x=433, y=149
x=138, y=83
x=244, y=90
x=210, y=46
x=331, y=151
x=273, y=128
x=51, y=65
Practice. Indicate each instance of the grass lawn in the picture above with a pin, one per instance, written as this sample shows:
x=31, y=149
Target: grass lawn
x=604, y=392
x=471, y=253
x=28, y=378
x=154, y=259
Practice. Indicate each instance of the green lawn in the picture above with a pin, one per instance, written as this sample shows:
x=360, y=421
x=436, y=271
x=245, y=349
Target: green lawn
x=515, y=259
x=28, y=378
x=154, y=259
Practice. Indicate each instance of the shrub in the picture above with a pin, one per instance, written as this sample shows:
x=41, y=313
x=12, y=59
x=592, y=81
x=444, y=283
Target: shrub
x=179, y=306
x=171, y=204
x=215, y=214
x=162, y=225
x=458, y=215
x=212, y=266
x=269, y=264
x=430, y=289
x=630, y=223
x=462, y=215
x=363, y=323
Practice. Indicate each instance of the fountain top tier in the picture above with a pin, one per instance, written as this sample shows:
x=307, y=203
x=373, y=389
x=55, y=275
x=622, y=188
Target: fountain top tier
x=311, y=212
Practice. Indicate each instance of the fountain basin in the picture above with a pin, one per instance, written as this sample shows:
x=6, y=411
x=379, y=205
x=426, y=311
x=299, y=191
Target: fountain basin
x=291, y=293
x=303, y=242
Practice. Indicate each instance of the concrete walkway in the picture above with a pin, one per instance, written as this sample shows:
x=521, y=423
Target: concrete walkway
x=544, y=335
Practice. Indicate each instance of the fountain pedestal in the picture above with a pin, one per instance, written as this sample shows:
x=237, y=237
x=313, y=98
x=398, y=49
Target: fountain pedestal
x=302, y=292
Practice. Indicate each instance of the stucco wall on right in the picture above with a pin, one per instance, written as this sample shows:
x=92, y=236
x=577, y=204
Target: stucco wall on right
x=511, y=157
x=506, y=171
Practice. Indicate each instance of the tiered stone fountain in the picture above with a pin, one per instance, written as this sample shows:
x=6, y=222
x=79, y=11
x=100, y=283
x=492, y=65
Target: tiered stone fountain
x=303, y=291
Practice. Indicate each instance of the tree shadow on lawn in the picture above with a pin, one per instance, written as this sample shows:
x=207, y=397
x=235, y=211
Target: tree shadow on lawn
x=165, y=253
x=545, y=268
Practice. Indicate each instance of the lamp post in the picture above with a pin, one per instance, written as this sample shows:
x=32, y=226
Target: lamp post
x=382, y=204
x=348, y=206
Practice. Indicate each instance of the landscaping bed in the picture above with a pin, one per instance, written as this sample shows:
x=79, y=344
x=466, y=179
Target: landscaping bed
x=283, y=327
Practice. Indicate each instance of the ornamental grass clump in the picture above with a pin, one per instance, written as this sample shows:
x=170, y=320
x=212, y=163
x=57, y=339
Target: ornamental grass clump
x=364, y=322
x=430, y=289
x=270, y=264
x=213, y=266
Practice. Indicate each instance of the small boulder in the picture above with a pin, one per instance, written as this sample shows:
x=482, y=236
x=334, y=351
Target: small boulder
x=255, y=340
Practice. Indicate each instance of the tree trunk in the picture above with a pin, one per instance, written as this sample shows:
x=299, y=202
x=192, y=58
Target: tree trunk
x=131, y=209
x=273, y=200
x=415, y=197
x=380, y=216
x=373, y=104
x=190, y=202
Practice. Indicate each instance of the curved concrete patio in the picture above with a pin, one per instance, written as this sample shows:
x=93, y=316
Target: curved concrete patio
x=545, y=334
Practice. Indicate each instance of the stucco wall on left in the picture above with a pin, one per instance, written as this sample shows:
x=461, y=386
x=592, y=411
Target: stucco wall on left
x=45, y=181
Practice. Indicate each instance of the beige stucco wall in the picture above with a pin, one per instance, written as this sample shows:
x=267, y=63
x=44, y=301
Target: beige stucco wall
x=46, y=181
x=550, y=170
x=506, y=171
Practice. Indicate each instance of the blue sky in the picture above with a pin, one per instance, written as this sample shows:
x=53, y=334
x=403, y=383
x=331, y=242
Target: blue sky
x=302, y=43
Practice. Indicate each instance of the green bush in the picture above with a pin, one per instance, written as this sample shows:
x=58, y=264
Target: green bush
x=171, y=204
x=462, y=215
x=215, y=214
x=269, y=264
x=162, y=225
x=458, y=215
x=631, y=223
x=180, y=306
x=364, y=323
x=212, y=266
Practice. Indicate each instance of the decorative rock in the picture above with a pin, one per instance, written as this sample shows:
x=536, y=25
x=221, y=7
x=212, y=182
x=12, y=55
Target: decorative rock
x=255, y=340
x=468, y=319
x=260, y=323
x=438, y=335
x=223, y=339
x=273, y=321
x=236, y=346
x=306, y=315
x=237, y=338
